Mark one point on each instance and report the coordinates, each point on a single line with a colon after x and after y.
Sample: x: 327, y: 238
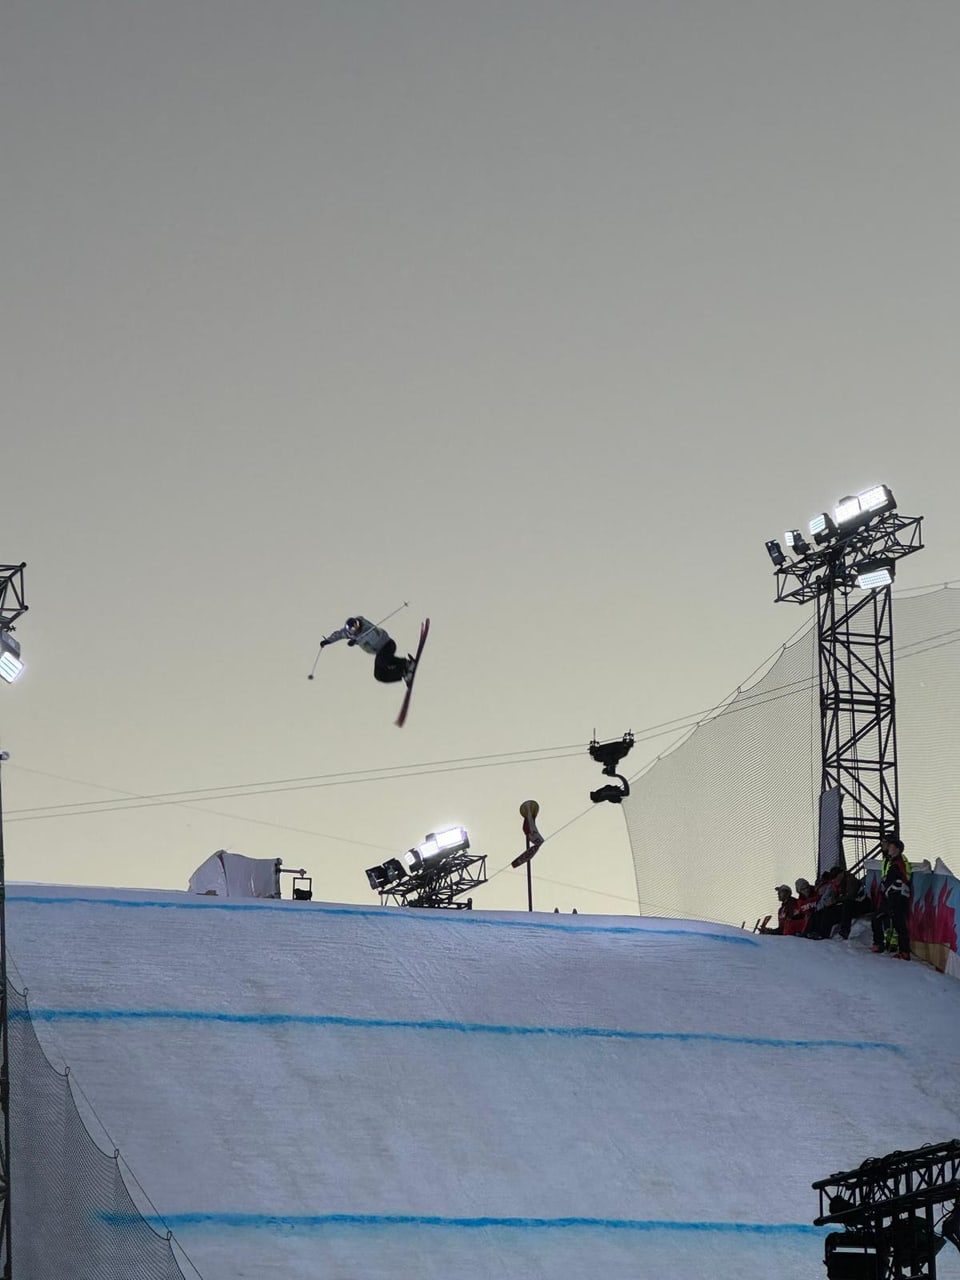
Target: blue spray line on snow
x: 437, y: 1024
x: 314, y: 1222
x: 404, y: 918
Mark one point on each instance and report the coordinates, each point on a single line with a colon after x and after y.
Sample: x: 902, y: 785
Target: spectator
x: 854, y: 903
x: 895, y: 900
x: 789, y: 919
x: 807, y: 898
x: 828, y: 910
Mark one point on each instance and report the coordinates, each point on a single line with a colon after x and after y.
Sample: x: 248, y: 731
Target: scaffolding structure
x: 855, y: 647
x: 886, y: 1209
x: 12, y: 605
x: 439, y: 886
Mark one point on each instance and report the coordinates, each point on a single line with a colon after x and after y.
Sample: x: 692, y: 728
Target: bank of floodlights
x: 12, y: 605
x: 435, y: 849
x: 431, y: 874
x: 854, y: 546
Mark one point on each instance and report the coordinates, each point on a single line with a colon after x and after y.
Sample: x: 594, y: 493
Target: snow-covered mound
x: 311, y: 1090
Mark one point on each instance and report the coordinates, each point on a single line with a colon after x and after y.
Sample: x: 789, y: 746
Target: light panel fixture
x: 797, y: 543
x: 775, y: 552
x: 861, y: 508
x: 10, y: 665
x: 821, y: 528
x: 874, y: 573
x: 436, y: 846
x: 847, y: 509
x: 877, y: 499
x: 387, y: 873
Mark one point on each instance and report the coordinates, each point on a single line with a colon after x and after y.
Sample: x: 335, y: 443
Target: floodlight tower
x: 12, y: 605
x: 886, y: 1210
x: 432, y: 874
x: 847, y: 568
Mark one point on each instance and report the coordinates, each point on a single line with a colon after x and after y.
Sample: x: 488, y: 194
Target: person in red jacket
x: 807, y: 898
x: 789, y: 919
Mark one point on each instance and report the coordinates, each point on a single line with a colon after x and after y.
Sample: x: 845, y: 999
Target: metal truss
x: 12, y: 605
x: 439, y: 886
x: 887, y: 537
x: 857, y: 710
x: 5, y: 1257
x: 855, y: 648
x: 886, y: 1209
x: 11, y: 594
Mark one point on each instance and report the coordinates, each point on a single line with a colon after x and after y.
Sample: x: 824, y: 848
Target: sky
x: 299, y: 1089
x: 536, y: 319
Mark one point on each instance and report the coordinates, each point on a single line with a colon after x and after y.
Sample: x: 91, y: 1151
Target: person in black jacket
x: 895, y: 904
x: 856, y: 903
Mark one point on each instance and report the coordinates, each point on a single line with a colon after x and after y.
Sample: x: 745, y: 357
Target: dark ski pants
x: 895, y: 913
x: 853, y: 909
x: 387, y: 667
x: 820, y: 924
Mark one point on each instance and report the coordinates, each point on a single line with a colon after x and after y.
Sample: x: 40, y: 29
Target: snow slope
x: 308, y: 1090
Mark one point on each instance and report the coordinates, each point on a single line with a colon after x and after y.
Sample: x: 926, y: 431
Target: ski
x: 405, y: 705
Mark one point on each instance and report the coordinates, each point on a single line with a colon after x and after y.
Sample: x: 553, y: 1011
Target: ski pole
x: 386, y: 618
x: 390, y: 615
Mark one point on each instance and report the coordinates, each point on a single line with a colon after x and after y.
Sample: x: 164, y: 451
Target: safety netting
x: 71, y: 1212
x: 730, y: 811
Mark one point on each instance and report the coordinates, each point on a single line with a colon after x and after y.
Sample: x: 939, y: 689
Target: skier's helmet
x: 354, y: 626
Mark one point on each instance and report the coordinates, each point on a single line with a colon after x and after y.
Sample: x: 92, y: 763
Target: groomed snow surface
x: 321, y: 1092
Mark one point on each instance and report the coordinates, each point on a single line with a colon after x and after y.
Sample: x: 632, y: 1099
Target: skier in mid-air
x: 387, y: 667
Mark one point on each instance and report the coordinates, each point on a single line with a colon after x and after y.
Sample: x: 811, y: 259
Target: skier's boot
x: 410, y: 669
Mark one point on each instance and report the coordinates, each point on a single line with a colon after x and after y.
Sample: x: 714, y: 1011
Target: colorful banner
x: 934, y: 911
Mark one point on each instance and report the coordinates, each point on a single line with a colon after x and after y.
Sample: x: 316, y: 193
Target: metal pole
x: 529, y: 810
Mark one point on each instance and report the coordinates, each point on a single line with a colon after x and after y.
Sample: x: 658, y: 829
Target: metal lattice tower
x: 12, y: 605
x: 857, y: 709
x: 855, y: 646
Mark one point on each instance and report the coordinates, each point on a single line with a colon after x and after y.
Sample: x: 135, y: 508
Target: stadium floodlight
x: 874, y: 573
x: 821, y: 528
x: 388, y: 872
x: 797, y: 543
x: 860, y: 509
x: 877, y: 500
x: 775, y: 552
x: 10, y: 665
x: 436, y: 847
x: 847, y: 509
x: 376, y: 877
